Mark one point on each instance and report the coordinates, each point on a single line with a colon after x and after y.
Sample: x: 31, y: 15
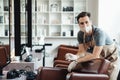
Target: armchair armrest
x: 86, y: 76
x: 95, y: 66
x: 61, y: 63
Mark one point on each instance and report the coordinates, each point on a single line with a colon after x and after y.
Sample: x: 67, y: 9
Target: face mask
x: 86, y: 29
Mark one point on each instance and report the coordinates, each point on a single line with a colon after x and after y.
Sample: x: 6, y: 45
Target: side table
x: 21, y: 65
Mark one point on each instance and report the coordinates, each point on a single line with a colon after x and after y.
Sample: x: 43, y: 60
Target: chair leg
x: 1, y: 72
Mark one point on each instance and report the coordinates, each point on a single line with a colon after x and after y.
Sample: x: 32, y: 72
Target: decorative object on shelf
x: 23, y: 6
x: 76, y: 20
x: 64, y: 34
x: 29, y: 58
x: 1, y: 19
x: 39, y: 40
x: 42, y: 7
x: 6, y: 8
x: 71, y: 32
x: 42, y: 20
x: 68, y: 8
x: 6, y: 17
x: 54, y: 7
x: 6, y: 32
x: 68, y: 33
x: 0, y: 7
x: 67, y: 19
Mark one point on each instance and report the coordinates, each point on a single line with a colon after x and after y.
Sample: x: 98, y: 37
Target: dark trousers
x: 118, y: 78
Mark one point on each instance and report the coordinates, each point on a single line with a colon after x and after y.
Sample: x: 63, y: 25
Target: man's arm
x: 81, y: 49
x: 80, y: 53
x: 96, y: 54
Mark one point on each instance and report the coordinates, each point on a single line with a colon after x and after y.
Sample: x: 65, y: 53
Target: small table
x: 20, y: 65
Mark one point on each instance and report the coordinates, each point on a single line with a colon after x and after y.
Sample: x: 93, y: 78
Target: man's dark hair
x: 83, y: 14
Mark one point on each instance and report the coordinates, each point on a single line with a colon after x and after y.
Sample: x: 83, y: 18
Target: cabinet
x: 51, y: 18
x: 56, y: 18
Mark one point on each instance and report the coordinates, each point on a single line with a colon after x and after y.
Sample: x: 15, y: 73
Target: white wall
x: 58, y: 41
x: 93, y: 9
x: 109, y: 16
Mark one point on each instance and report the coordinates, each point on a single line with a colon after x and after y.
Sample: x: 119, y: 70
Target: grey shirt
x: 100, y: 37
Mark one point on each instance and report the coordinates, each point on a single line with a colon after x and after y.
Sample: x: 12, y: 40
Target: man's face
x: 85, y: 24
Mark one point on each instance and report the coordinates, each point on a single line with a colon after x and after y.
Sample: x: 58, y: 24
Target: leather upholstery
x: 62, y: 50
x: 92, y: 71
x: 50, y: 73
x: 95, y: 69
x: 4, y: 59
x: 81, y: 76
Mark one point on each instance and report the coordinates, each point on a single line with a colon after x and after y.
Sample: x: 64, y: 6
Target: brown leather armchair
x: 62, y: 50
x: 4, y: 59
x: 95, y: 69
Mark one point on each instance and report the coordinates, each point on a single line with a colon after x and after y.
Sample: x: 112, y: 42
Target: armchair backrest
x: 62, y: 50
x: 7, y: 49
x: 96, y: 66
x: 4, y: 58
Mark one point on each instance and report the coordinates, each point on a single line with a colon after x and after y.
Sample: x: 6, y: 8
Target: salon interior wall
x: 109, y: 17
x: 93, y: 9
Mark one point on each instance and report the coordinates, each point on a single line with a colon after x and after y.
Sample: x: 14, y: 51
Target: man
x: 93, y: 43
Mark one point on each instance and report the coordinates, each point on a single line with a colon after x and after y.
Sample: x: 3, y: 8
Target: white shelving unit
x: 51, y: 18
x: 4, y: 18
x: 4, y: 21
x: 56, y: 18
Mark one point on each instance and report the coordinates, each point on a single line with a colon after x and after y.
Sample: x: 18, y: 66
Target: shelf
x: 56, y: 17
x: 50, y: 37
x: 50, y: 18
x: 60, y: 37
x: 4, y: 19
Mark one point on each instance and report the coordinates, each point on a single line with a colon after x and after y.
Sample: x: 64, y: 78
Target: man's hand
x: 72, y: 65
x: 70, y: 56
